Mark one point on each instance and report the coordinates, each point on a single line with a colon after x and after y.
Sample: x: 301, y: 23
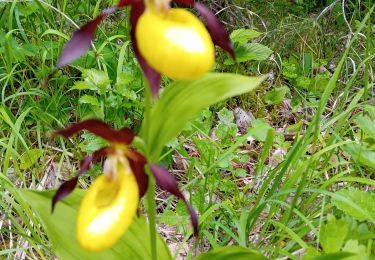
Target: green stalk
x: 151, y: 210
x: 150, y: 197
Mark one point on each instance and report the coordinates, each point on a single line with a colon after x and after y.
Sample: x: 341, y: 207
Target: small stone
x: 243, y: 119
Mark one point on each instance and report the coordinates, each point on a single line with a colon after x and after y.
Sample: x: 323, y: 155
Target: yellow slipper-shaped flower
x: 107, y: 210
x: 165, y: 40
x: 175, y: 43
x: 110, y: 204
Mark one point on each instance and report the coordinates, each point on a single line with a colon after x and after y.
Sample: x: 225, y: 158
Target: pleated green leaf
x: 183, y: 100
x: 365, y: 200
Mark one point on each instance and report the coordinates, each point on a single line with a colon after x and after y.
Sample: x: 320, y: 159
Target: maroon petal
x: 81, y: 40
x: 125, y: 135
x: 152, y: 75
x: 101, y: 129
x: 48, y: 79
x: 137, y: 163
x: 85, y: 163
x: 123, y: 3
x: 217, y: 30
x: 167, y: 182
x: 189, y: 3
x: 67, y: 187
x: 64, y: 190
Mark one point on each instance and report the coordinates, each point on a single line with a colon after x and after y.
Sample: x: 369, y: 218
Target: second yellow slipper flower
x: 169, y: 41
x: 107, y: 210
x: 110, y: 204
x: 175, y: 43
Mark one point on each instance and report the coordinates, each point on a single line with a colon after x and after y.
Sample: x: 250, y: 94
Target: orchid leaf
x: 183, y: 100
x: 60, y: 229
x: 366, y: 125
x: 336, y: 256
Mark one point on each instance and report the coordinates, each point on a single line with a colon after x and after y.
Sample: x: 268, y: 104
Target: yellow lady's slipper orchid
x: 107, y: 209
x: 165, y: 40
x: 175, y: 43
x: 111, y: 202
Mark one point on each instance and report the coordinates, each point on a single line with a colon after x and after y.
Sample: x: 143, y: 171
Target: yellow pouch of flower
x: 107, y: 210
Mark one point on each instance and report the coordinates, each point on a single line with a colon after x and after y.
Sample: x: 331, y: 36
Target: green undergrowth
x: 286, y: 171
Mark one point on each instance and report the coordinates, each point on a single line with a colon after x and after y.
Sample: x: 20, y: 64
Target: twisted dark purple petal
x: 137, y: 164
x: 123, y: 3
x: 101, y: 129
x: 81, y: 39
x: 64, y: 190
x: 152, y: 75
x: 189, y: 3
x: 216, y: 29
x: 67, y: 187
x: 167, y: 182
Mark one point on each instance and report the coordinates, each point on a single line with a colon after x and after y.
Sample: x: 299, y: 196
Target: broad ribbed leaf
x: 363, y: 199
x: 183, y: 100
x: 233, y: 253
x: 361, y: 154
x: 243, y: 35
x: 366, y: 125
x: 61, y: 229
x: 249, y: 51
x: 333, y: 234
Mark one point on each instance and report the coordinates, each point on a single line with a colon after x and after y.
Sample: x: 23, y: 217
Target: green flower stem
x: 150, y: 197
x: 151, y: 210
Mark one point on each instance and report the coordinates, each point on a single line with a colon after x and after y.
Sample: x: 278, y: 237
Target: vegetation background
x: 287, y: 170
